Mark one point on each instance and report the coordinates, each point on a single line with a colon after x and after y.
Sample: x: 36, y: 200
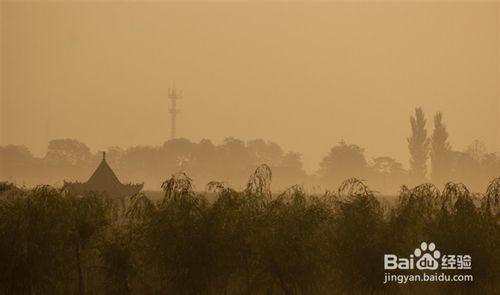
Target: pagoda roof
x: 104, y: 180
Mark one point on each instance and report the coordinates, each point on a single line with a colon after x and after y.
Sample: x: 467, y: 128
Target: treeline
x: 231, y: 161
x: 243, y: 242
x: 432, y: 158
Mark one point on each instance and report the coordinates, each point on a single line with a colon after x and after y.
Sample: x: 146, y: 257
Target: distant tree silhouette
x: 475, y: 165
x: 342, y: 161
x: 15, y: 159
x: 292, y: 159
x: 477, y: 150
x: 388, y: 174
x: 387, y: 165
x: 232, y: 160
x: 418, y: 144
x: 440, y: 151
x: 265, y: 152
x: 69, y: 151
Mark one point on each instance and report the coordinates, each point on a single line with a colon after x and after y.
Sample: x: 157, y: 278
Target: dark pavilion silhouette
x: 103, y: 180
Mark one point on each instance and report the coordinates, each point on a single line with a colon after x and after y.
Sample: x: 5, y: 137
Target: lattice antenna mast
x: 174, y: 95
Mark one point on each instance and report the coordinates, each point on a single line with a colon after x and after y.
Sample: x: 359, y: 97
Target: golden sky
x: 304, y: 74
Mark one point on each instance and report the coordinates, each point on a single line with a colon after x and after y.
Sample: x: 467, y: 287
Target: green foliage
x: 244, y: 242
x: 358, y: 237
x: 259, y: 183
x: 43, y: 237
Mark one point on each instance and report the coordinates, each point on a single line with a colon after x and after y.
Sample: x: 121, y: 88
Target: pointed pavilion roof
x: 104, y: 180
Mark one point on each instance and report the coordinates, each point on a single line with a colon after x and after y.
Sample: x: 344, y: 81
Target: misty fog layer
x: 432, y: 159
x: 305, y: 75
x: 310, y: 140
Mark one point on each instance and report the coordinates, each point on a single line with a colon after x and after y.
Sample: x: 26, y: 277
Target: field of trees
x: 432, y: 158
x: 243, y: 242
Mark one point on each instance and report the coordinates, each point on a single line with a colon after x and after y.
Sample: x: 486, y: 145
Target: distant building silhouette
x: 174, y: 95
x: 103, y: 180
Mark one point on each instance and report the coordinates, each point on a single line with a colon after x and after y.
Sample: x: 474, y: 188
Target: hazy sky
x: 303, y: 75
